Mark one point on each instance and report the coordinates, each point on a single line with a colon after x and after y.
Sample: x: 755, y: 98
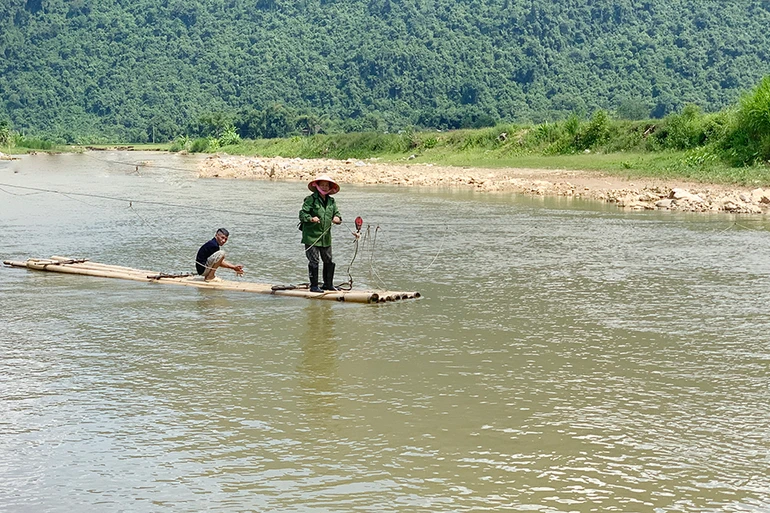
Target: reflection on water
x: 317, y: 368
x: 566, y: 356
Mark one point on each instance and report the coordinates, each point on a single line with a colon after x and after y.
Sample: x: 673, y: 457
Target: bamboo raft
x: 85, y: 267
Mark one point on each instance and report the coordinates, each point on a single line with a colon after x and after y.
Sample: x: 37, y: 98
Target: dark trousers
x: 316, y: 255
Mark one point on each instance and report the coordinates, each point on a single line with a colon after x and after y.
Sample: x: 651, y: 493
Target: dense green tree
x: 95, y: 69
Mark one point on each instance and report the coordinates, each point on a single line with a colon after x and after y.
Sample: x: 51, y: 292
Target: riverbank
x: 634, y: 194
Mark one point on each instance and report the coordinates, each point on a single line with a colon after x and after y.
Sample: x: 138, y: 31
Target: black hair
x: 224, y: 232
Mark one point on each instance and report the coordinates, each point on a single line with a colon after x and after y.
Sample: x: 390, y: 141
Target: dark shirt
x: 204, y: 253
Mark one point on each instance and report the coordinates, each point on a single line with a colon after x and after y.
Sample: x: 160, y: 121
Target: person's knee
x: 215, y: 260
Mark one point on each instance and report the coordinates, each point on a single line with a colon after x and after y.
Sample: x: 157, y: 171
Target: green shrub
x: 429, y: 143
x: 685, y: 130
x: 754, y: 111
x: 5, y: 133
x: 33, y: 143
x: 180, y: 143
x: 547, y: 132
x: 596, y: 132
x: 229, y: 136
x: 488, y: 138
x: 715, y: 126
x: 626, y: 136
x: 572, y: 125
x: 577, y: 136
x: 199, y: 145
x: 746, y: 139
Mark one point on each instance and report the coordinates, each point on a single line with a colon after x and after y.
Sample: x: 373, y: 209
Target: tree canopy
x: 141, y: 70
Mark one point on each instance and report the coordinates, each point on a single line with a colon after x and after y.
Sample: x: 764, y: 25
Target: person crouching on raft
x: 210, y: 257
x: 319, y: 211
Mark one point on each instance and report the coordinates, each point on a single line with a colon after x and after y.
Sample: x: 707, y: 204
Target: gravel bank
x: 636, y: 194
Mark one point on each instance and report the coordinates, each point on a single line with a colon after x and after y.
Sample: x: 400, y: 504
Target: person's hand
x: 238, y: 270
x: 336, y: 220
x: 315, y: 219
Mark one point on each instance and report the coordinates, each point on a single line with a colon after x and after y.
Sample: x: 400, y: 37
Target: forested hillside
x: 138, y: 70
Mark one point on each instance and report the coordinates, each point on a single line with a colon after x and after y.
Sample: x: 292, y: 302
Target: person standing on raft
x: 319, y: 211
x: 211, y: 257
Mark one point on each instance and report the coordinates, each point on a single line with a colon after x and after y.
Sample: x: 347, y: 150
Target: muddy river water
x: 565, y: 355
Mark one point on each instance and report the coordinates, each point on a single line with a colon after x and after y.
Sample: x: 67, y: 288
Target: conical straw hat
x: 335, y: 187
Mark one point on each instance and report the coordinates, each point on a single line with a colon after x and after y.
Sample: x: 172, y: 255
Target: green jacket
x: 318, y: 234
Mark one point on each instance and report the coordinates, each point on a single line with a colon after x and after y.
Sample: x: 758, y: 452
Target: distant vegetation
x: 11, y: 140
x: 5, y: 134
x: 732, y: 145
x: 99, y: 71
x: 738, y: 136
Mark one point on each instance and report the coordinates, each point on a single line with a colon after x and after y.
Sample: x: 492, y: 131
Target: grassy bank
x: 504, y: 146
x: 498, y: 147
x: 731, y: 146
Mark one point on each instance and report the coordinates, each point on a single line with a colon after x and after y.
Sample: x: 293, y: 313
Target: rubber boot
x: 312, y: 273
x: 329, y: 277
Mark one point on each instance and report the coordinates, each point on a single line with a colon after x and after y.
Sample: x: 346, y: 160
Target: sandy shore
x: 637, y: 194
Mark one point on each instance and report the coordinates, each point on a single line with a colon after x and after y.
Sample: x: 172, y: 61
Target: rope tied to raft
x: 70, y: 261
x: 359, y: 222
x: 364, y: 240
x: 160, y: 276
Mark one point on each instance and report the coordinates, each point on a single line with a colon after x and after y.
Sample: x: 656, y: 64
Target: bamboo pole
x: 71, y: 269
x: 96, y: 265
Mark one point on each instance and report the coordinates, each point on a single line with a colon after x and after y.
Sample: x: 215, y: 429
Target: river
x: 565, y: 356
